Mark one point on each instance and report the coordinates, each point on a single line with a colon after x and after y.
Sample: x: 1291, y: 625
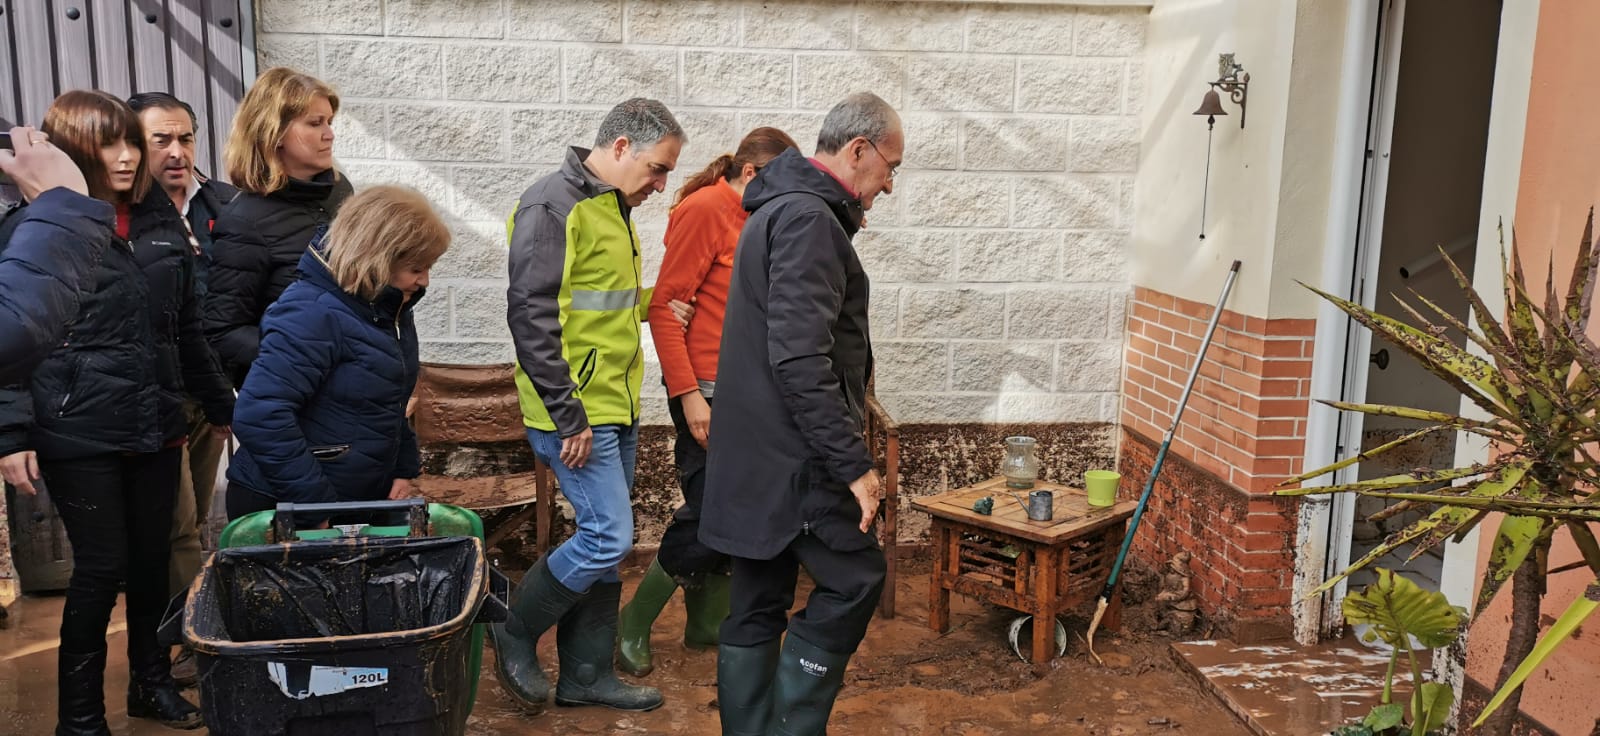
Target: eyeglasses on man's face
x: 893, y: 168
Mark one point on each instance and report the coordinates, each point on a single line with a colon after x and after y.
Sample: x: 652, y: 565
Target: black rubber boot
x: 744, y: 687
x: 538, y: 603
x: 153, y: 695
x: 80, y: 694
x: 586, y: 639
x: 804, y: 687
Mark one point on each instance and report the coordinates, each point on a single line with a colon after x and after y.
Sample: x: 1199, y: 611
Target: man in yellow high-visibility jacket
x: 574, y: 305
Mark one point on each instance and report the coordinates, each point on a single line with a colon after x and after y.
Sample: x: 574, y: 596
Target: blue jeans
x: 600, y: 493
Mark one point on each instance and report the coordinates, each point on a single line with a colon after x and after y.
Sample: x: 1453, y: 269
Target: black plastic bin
x: 345, y: 637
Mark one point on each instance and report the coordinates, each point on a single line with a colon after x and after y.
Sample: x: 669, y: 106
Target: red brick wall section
x: 1241, y: 544
x: 1246, y: 420
x: 1242, y: 434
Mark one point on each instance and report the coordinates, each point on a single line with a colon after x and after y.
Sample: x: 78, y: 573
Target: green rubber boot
x: 538, y: 603
x: 744, y: 687
x: 803, y: 690
x: 586, y: 640
x: 707, y: 606
x: 636, y: 619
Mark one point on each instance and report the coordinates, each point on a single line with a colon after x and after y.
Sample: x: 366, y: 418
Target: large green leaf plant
x: 1402, y: 615
x: 1539, y: 388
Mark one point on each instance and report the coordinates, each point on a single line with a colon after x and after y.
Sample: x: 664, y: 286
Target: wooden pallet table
x: 1037, y: 567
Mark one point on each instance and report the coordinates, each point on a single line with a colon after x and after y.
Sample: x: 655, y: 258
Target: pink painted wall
x: 1560, y: 182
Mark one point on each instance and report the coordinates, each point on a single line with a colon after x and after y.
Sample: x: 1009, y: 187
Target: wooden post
x: 938, y: 595
x: 1044, y: 612
x: 544, y: 500
x: 891, y: 510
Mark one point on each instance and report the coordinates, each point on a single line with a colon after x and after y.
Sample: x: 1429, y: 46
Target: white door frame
x: 1326, y: 523
x: 1322, y: 518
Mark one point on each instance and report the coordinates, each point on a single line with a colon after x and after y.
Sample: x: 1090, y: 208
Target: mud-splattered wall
x: 1240, y: 543
x: 469, y: 425
x: 933, y: 458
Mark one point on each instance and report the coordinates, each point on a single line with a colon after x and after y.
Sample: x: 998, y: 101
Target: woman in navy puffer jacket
x: 321, y: 415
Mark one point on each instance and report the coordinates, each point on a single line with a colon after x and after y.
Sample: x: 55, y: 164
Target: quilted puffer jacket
x: 258, y: 241
x: 98, y: 391
x: 60, y: 240
x: 185, y: 365
x: 321, y: 416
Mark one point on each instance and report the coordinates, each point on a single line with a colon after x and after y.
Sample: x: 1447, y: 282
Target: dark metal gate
x: 189, y: 48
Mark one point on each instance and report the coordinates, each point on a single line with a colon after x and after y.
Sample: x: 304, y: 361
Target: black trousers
x: 836, y: 615
x: 681, y: 554
x: 239, y: 501
x: 117, y: 509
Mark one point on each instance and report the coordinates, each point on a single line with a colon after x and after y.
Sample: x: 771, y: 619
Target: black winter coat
x: 258, y: 243
x: 185, y: 363
x: 49, y: 258
x: 97, y: 392
x: 786, y: 437
x: 204, y: 210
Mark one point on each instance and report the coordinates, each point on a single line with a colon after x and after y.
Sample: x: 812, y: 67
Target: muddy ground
x: 906, y: 681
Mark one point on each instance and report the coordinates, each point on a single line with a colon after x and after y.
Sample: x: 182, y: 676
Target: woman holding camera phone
x: 58, y: 242
x: 100, y: 420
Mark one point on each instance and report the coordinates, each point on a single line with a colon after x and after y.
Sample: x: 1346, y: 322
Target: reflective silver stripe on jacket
x: 604, y: 301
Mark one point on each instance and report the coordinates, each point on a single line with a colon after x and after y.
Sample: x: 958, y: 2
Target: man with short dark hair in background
x: 789, y: 481
x: 170, y: 127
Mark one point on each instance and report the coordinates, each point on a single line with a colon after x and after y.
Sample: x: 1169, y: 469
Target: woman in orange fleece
x: 702, y: 233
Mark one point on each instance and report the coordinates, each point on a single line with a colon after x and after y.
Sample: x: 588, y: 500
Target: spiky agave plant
x: 1540, y: 387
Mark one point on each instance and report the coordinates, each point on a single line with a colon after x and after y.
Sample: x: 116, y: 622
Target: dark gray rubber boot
x: 539, y: 602
x: 803, y: 690
x: 744, y: 687
x: 586, y: 640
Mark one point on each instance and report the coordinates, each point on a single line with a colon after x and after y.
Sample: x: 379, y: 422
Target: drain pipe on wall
x: 1312, y: 536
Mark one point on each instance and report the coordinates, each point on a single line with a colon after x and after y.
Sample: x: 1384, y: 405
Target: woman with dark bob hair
x: 101, y: 421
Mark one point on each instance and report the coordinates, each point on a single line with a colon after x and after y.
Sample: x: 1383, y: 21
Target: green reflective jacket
x: 575, y: 302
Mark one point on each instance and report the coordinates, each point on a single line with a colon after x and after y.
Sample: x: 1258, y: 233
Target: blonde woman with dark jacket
x: 280, y: 156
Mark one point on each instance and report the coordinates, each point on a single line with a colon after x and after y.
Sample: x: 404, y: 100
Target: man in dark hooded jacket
x: 789, y: 480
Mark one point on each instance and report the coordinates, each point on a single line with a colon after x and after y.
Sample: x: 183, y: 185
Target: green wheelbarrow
x: 406, y: 518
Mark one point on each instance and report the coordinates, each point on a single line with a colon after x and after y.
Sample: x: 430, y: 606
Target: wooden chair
x: 883, y: 441
x: 478, y: 404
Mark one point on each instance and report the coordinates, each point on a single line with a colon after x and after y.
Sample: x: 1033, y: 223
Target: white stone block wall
x: 999, y: 264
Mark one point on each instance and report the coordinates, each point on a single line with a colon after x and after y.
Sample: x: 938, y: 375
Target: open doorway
x: 1425, y: 182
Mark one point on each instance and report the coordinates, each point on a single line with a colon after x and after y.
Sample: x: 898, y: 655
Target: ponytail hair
x: 721, y: 167
x: 758, y: 147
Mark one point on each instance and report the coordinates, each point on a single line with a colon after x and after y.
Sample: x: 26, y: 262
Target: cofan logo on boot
x: 814, y: 669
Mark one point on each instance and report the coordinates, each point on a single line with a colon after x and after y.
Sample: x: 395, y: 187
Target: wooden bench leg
x: 1044, y: 613
x: 507, y: 525
x: 938, y: 595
